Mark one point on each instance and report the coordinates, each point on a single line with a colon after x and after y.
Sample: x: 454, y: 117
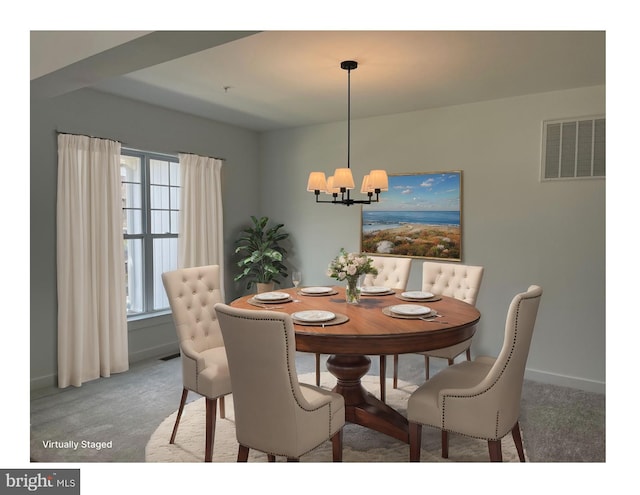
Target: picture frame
x: 420, y: 216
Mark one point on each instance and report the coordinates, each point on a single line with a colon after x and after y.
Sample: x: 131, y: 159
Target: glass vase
x: 353, y: 291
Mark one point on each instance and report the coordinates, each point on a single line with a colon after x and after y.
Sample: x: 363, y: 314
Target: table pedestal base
x: 361, y: 407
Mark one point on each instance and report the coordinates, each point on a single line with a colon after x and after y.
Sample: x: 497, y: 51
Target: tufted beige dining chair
x: 192, y: 293
x: 453, y: 280
x: 480, y: 398
x: 274, y: 413
x: 394, y: 274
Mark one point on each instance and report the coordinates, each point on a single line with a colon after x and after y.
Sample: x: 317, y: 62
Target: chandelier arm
x: 347, y: 201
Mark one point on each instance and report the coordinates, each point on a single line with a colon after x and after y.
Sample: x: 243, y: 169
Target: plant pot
x: 264, y: 287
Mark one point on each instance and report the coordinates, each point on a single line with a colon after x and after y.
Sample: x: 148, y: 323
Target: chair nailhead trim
x: 513, y: 343
x: 284, y: 329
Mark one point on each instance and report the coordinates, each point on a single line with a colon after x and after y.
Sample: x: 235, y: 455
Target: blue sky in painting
x: 425, y: 192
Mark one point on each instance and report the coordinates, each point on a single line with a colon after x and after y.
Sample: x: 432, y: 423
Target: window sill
x: 149, y: 319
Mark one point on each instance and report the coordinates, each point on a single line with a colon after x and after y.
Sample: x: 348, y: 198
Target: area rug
x: 359, y: 444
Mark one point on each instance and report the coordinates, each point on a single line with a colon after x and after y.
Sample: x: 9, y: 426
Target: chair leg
x: 395, y: 371
x: 450, y: 362
x: 336, y: 446
x: 183, y: 399
x: 426, y: 368
x: 517, y: 439
x: 495, y: 450
x: 210, y: 428
x: 445, y: 444
x: 383, y: 377
x: 415, y: 441
x: 243, y: 453
x: 222, y: 413
x: 468, y: 353
x: 271, y: 458
x: 317, y: 370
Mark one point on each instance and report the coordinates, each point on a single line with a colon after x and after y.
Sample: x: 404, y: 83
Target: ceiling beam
x: 152, y: 49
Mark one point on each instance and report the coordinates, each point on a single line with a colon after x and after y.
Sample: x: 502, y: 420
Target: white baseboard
x: 565, y: 381
x: 154, y: 352
x: 48, y: 381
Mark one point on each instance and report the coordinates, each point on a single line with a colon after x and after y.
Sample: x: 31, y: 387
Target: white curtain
x: 200, y: 235
x: 92, y: 314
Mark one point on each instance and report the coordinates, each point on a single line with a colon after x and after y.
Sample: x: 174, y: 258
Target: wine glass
x: 296, y: 278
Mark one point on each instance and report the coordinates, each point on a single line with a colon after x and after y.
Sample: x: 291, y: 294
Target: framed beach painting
x: 420, y: 216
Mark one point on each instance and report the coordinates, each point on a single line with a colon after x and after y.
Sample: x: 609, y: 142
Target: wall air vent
x: 573, y: 149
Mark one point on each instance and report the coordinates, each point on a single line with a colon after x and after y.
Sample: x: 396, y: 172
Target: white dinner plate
x: 417, y: 294
x: 373, y: 289
x: 410, y: 310
x: 313, y: 316
x: 272, y: 296
x: 316, y: 290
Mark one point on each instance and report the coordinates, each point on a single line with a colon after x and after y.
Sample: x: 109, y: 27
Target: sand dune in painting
x: 431, y: 241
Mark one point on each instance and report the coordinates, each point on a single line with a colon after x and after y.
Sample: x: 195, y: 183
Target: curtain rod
x: 127, y: 146
x: 58, y: 131
x: 192, y: 153
x: 85, y: 135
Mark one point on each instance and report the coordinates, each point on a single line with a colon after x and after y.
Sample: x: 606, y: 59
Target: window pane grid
x: 135, y: 275
x: 165, y: 256
x: 132, y: 221
x: 151, y: 199
x: 159, y: 197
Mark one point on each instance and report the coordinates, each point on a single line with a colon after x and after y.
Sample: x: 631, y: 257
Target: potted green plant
x: 263, y: 256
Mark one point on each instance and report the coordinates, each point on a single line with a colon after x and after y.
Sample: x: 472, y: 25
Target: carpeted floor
x: 116, y: 417
x: 359, y: 444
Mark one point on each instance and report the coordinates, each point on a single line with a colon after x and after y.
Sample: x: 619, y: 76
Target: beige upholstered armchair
x: 274, y: 413
x: 394, y: 274
x: 479, y: 398
x: 192, y: 293
x: 452, y: 280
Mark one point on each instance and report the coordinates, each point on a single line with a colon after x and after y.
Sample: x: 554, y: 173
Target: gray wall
x: 523, y: 231
x: 138, y: 126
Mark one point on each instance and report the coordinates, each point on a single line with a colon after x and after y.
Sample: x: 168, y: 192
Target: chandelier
x: 339, y: 185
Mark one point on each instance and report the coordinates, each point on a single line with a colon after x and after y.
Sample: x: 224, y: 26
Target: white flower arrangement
x: 350, y: 265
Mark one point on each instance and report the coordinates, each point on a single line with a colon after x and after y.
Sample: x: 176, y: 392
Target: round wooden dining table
x: 369, y: 328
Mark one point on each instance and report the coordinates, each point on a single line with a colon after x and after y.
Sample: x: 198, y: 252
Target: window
x: 574, y: 149
x: 151, y: 199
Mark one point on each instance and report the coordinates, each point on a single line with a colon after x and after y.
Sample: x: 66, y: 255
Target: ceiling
x: 279, y: 79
